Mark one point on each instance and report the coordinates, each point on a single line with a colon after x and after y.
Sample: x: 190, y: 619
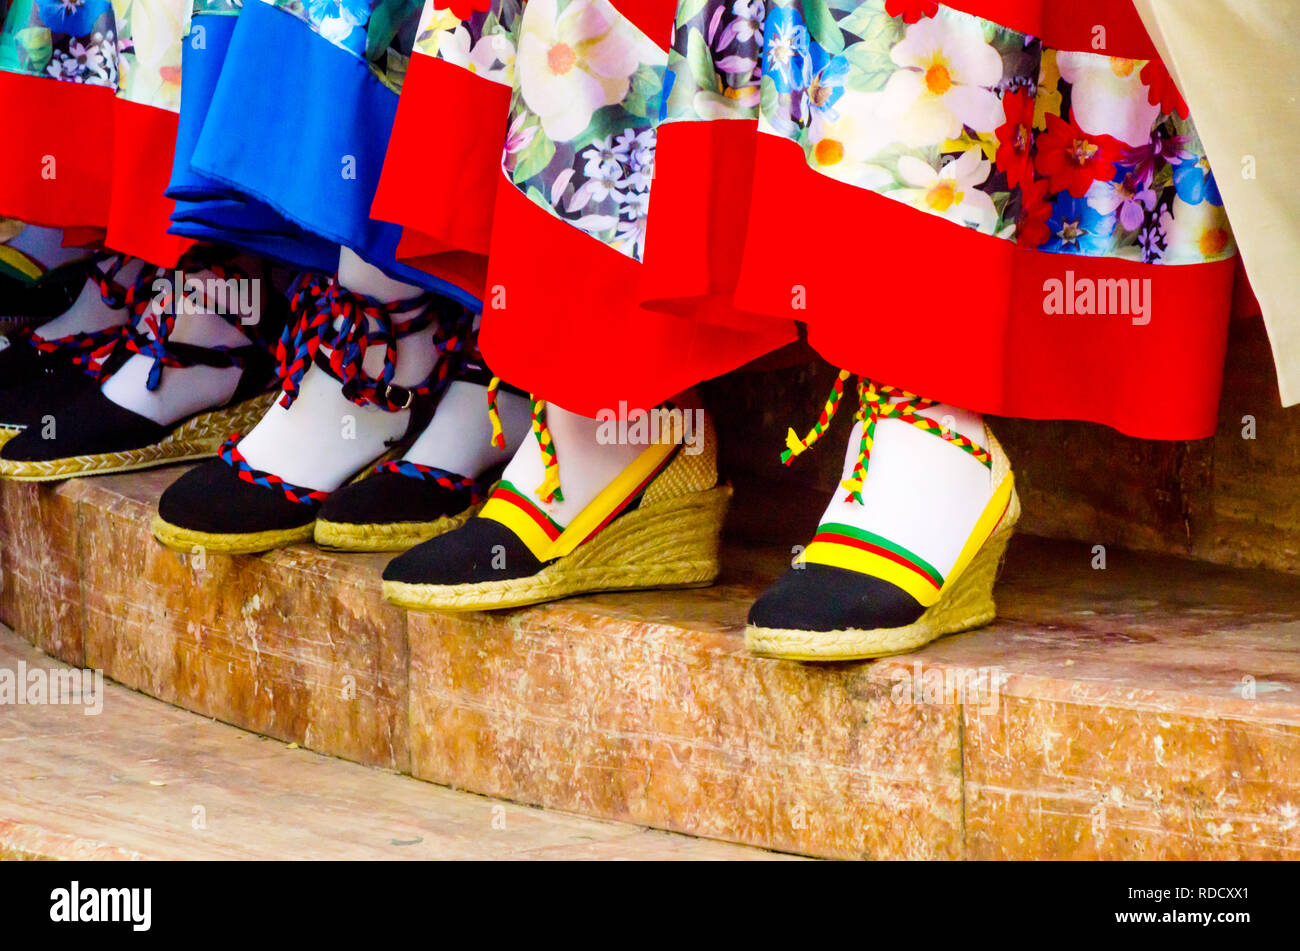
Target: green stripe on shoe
x: 852, y: 531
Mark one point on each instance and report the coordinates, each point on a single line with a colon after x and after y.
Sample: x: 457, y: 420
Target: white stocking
x: 921, y: 491
x: 459, y: 437
x: 323, y: 439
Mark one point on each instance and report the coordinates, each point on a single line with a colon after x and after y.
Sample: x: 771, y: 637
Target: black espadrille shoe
x: 872, y: 583
x: 403, y: 502
x: 397, y: 506
x: 89, y: 434
x: 84, y: 432
x: 40, y: 369
x: 228, y: 505
x: 655, y: 524
x: 31, y: 294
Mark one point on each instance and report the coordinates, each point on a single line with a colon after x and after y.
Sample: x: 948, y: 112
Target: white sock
x: 459, y: 437
x: 324, y: 439
x: 182, y: 391
x: 921, y: 492
x: 89, y: 313
x: 586, y: 465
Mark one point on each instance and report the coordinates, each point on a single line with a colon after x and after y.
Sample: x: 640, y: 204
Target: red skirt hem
x: 139, y: 214
x: 961, y: 316
x: 52, y: 169
x: 437, y: 185
x: 738, y: 222
x: 54, y: 174
x: 561, y: 293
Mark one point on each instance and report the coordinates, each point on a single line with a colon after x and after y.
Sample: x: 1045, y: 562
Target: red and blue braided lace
x: 229, y: 454
x: 476, y: 489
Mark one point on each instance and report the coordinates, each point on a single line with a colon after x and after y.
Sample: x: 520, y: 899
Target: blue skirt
x: 282, y: 140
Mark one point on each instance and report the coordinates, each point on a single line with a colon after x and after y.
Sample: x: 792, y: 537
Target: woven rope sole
x: 198, y: 438
x: 386, y: 536
x: 966, y: 605
x: 670, y: 545
x: 246, y: 543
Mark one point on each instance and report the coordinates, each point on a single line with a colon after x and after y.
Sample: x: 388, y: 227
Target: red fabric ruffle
x: 78, y: 157
x: 744, y: 239
x: 959, y: 316
x: 53, y: 171
x: 563, y: 318
x: 442, y: 169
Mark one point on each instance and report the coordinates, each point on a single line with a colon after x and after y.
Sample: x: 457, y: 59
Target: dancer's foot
x: 43, y: 366
x: 911, y: 552
x: 441, y: 481
x: 359, y: 379
x: 578, y: 512
x: 172, y: 383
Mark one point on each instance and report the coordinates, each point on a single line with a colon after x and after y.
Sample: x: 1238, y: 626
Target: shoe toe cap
x: 387, y: 498
x: 480, y: 550
x: 825, y: 598
x: 212, y: 498
x: 84, y: 422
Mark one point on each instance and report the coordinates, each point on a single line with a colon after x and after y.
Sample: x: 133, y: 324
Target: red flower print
x: 912, y: 10
x: 1072, y: 159
x: 463, y: 9
x: 1161, y: 90
x: 1035, y: 212
x: 1015, y: 136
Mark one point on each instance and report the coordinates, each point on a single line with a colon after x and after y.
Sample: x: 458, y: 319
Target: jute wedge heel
x: 668, y: 544
x: 247, y: 543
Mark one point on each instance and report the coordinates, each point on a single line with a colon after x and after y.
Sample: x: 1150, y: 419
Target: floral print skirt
x: 89, y: 94
x: 1003, y: 204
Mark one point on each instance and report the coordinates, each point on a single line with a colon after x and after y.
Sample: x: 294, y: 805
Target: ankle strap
x: 229, y: 454
x: 82, y: 346
x: 328, y: 317
x: 135, y: 298
x: 476, y: 489
x: 874, y: 404
x: 140, y: 299
x: 115, y: 295
x: 149, y: 331
x: 347, y: 324
x: 549, y: 490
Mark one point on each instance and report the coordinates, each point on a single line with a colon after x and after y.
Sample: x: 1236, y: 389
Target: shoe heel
x: 672, y: 544
x: 969, y: 603
x: 380, y: 537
